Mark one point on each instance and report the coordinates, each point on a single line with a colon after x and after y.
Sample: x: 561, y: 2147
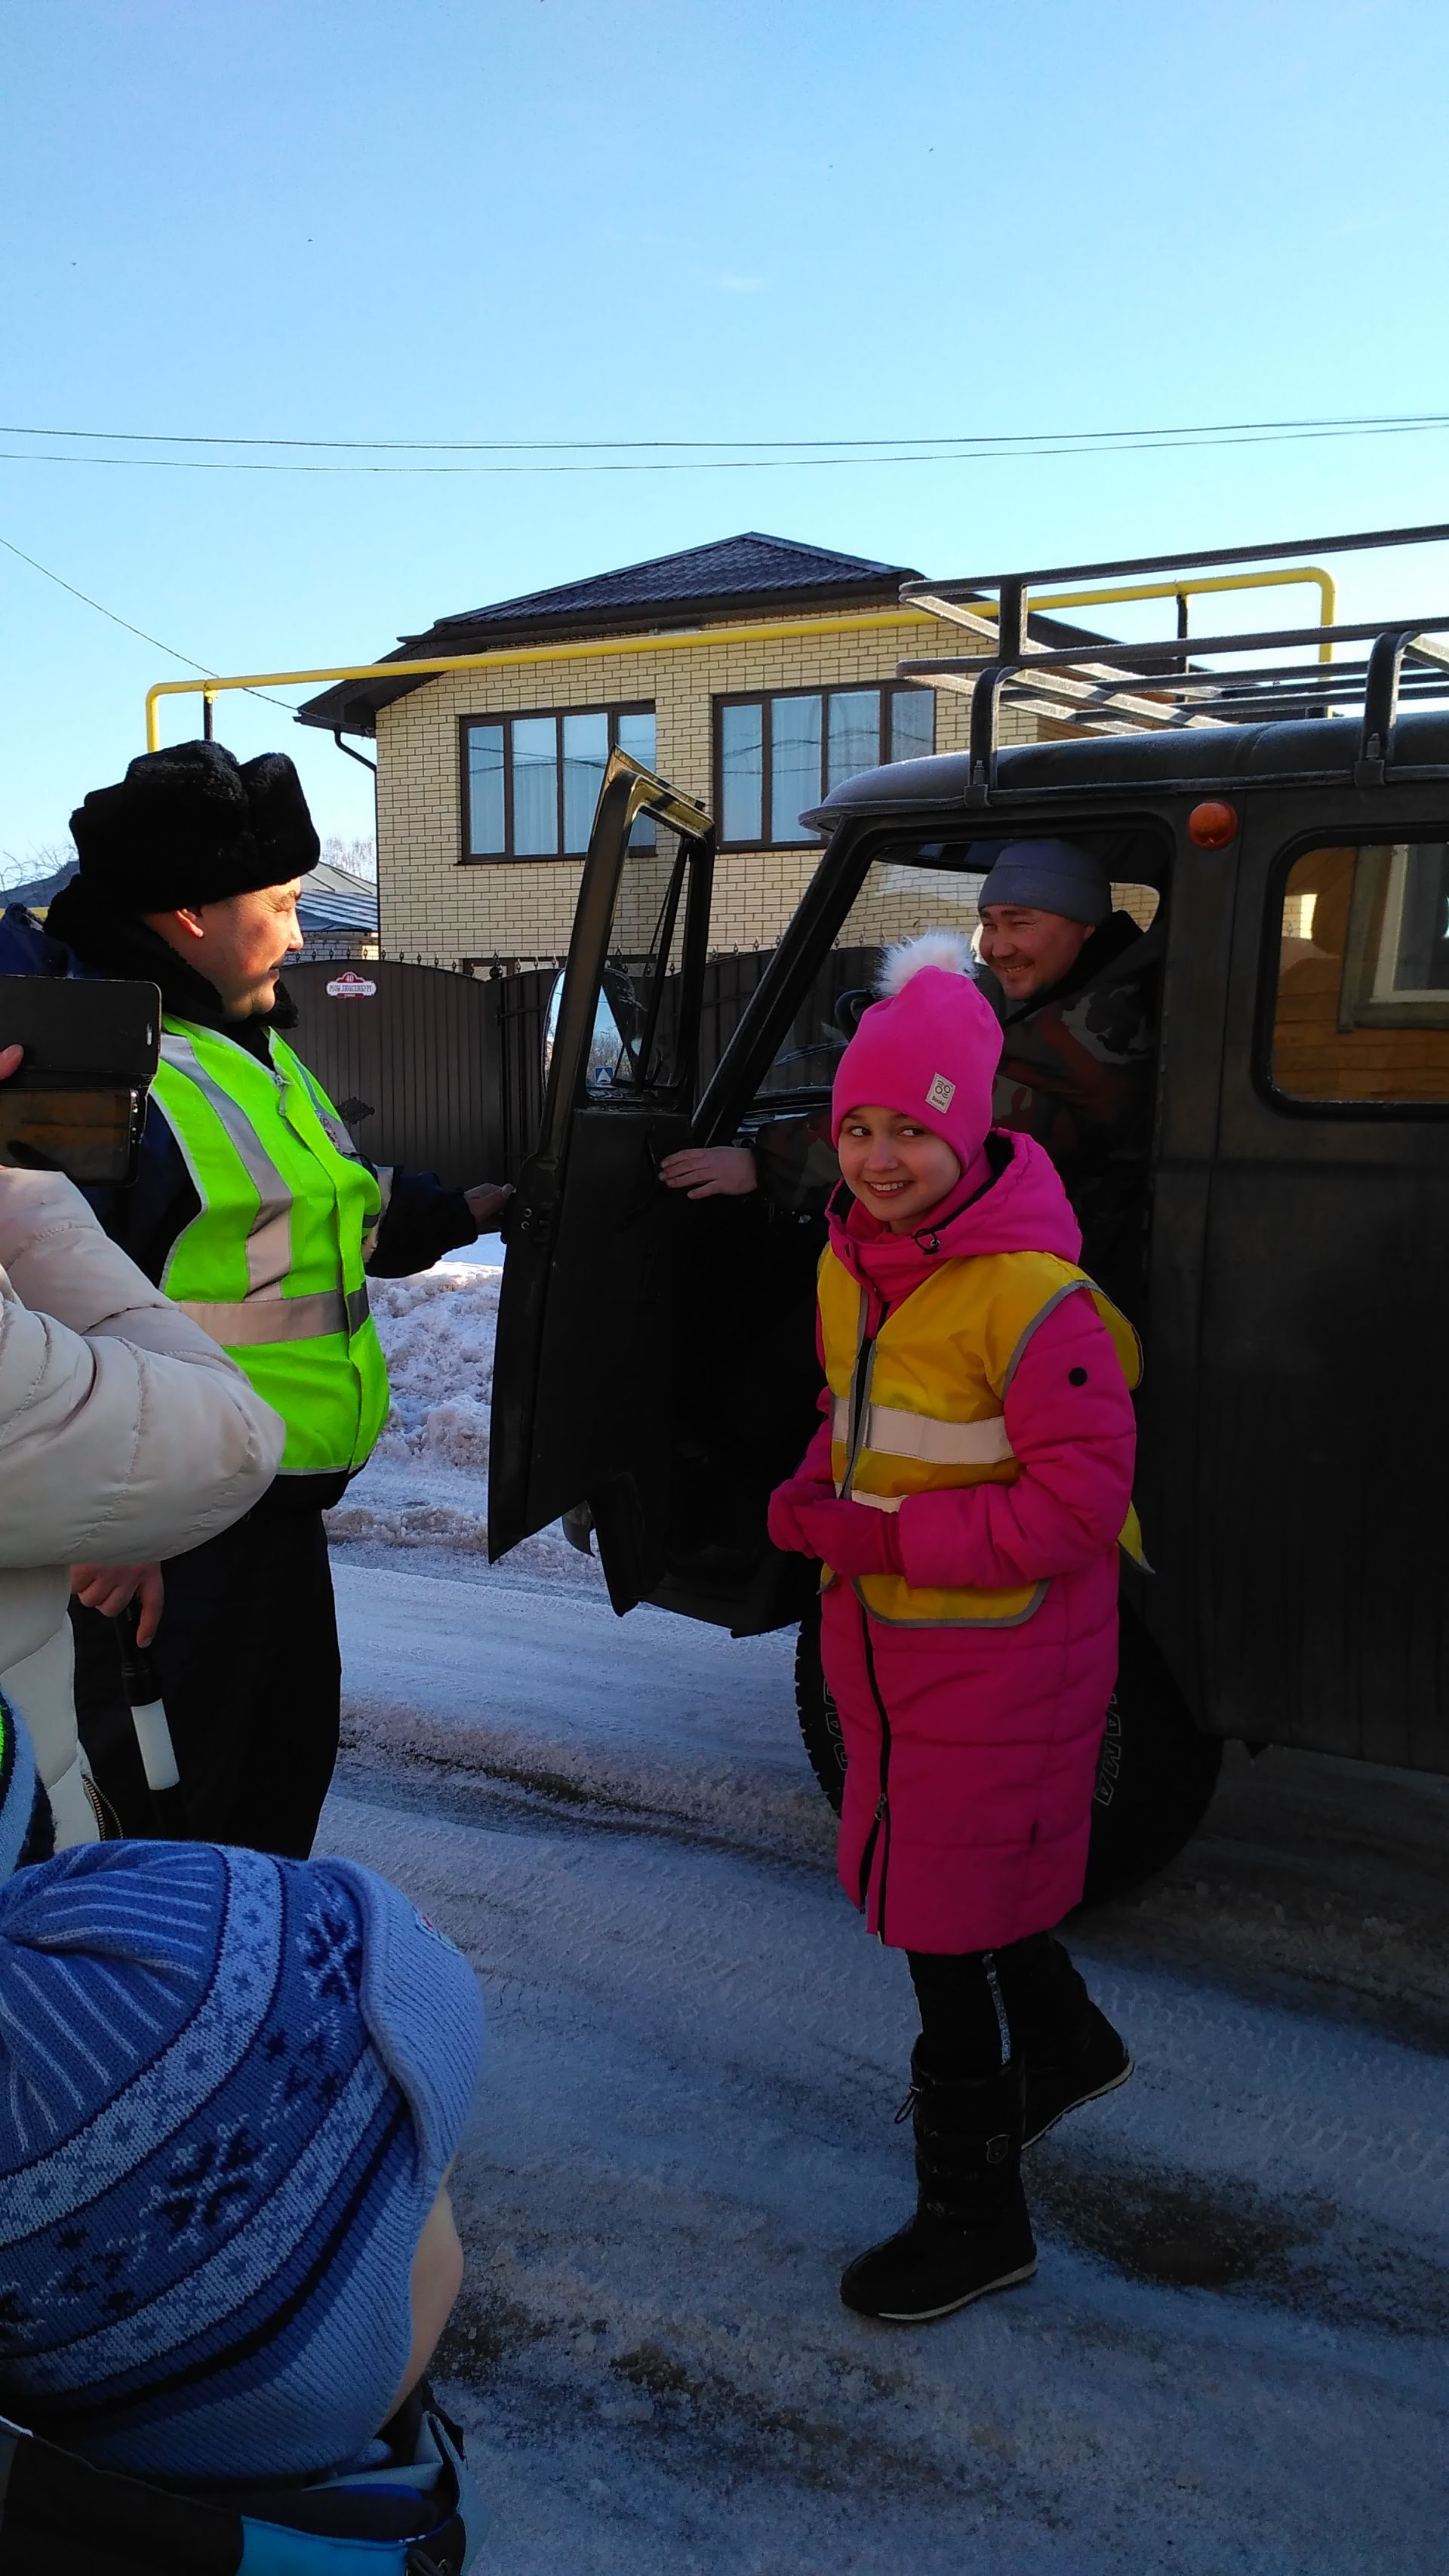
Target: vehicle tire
x: 1156, y: 1772
x: 1155, y: 1775
x: 817, y: 1712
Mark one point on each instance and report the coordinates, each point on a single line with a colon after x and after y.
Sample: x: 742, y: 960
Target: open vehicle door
x: 583, y: 1367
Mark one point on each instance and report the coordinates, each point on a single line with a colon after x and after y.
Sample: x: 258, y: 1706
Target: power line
x: 946, y: 439
x: 207, y: 669
x: 1085, y: 443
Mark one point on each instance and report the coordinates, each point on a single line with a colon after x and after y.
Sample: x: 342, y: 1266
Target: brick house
x: 752, y: 673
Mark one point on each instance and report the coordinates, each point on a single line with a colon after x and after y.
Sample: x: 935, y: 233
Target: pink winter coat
x: 972, y: 1751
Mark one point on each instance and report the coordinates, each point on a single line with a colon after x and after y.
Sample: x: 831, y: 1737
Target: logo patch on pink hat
x: 939, y: 1092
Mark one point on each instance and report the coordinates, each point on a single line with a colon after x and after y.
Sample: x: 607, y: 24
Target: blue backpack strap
x: 375, y: 2523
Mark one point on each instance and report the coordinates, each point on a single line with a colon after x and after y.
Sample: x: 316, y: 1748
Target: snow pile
x: 426, y: 1484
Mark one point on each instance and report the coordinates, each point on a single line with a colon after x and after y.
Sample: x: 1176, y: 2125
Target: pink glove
x: 783, y: 1520
x: 849, y: 1537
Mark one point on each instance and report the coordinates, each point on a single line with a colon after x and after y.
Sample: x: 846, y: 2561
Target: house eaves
x: 733, y: 579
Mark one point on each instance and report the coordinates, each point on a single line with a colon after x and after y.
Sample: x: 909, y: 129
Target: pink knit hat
x: 928, y: 1049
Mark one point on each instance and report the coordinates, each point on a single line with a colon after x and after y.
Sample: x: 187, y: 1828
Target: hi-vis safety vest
x: 917, y: 1409
x: 271, y: 1266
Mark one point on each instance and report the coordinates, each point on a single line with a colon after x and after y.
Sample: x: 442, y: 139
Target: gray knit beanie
x: 1050, y: 876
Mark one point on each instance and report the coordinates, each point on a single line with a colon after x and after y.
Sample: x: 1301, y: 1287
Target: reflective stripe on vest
x: 271, y: 1264
x: 272, y: 1318
x: 918, y: 1408
x: 892, y: 1433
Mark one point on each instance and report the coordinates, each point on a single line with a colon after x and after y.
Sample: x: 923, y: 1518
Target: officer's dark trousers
x: 251, y: 1675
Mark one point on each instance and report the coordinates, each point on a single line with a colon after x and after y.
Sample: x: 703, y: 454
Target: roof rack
x: 1165, y: 684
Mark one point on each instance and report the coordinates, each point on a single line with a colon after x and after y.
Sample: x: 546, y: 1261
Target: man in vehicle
x: 1075, y: 986
x: 254, y: 1211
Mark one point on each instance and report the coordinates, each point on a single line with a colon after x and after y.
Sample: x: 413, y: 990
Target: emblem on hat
x: 939, y: 1092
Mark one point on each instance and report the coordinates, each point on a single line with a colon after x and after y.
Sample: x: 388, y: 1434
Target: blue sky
x: 549, y: 219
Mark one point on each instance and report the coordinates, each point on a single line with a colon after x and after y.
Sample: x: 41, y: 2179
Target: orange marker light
x: 1212, y: 826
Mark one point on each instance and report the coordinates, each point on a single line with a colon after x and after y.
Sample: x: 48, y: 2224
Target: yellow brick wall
x: 433, y: 906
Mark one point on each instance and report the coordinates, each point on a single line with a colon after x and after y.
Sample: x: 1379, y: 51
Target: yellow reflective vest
x: 271, y: 1266
x: 918, y: 1408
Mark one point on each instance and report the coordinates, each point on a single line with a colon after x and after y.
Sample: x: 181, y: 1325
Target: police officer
x: 254, y: 1210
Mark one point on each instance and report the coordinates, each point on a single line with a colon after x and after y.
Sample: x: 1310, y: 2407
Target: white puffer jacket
x: 125, y: 1434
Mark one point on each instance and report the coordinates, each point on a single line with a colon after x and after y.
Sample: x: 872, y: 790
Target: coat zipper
x: 860, y: 1379
x: 880, y: 1830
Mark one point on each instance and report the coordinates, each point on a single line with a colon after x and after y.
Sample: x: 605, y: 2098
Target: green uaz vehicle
x: 1282, y: 1236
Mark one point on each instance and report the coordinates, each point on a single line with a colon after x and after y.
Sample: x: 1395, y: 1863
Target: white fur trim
x: 948, y: 949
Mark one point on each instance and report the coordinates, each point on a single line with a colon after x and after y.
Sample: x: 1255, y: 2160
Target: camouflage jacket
x: 1077, y: 1074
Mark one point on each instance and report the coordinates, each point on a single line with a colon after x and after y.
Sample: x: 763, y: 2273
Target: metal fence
x: 445, y: 1070
x: 408, y: 1055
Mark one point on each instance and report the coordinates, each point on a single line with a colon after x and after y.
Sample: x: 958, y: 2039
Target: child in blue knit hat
x: 231, y: 2087
x: 27, y: 1827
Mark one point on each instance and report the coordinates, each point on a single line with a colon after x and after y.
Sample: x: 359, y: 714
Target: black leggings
x: 980, y: 2008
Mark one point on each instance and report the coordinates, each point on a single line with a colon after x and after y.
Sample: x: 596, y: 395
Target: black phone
x: 78, y: 1102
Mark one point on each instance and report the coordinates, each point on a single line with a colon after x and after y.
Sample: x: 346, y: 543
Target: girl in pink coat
x: 966, y: 1497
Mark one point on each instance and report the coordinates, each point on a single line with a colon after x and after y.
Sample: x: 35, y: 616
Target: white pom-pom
x: 948, y: 949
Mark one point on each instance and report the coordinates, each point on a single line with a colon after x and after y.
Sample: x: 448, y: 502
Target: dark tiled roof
x: 334, y: 899
x: 38, y: 893
x: 732, y: 568
x: 331, y: 898
x: 732, y: 576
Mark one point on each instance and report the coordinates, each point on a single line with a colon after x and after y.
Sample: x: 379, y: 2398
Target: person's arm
x: 126, y: 1434
x: 146, y: 1216
x: 1071, y: 1426
x: 420, y: 1219
x: 812, y: 1483
x: 711, y: 1171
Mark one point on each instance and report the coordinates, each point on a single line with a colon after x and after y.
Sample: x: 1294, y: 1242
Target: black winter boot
x: 971, y: 2232
x: 1073, y: 2055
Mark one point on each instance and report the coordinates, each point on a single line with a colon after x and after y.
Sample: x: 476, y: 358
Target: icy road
x: 1233, y: 2357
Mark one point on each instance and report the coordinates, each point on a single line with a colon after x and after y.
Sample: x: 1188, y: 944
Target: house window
x: 531, y: 783
x: 777, y: 756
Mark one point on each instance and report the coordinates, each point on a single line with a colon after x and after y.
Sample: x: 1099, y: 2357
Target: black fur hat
x: 192, y: 825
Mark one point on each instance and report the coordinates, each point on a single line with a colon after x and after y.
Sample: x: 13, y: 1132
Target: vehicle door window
x: 1361, y: 1002
x: 637, y: 1027
x: 917, y: 889
x: 634, y: 1045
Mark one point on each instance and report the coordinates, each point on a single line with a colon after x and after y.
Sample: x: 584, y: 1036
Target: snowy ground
x: 1233, y: 2355
x: 426, y: 1486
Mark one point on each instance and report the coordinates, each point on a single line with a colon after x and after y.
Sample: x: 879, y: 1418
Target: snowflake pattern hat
x: 229, y: 2088
x: 928, y: 1049
x: 27, y: 1829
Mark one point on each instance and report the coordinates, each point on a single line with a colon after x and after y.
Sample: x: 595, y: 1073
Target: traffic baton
x: 153, y: 1733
